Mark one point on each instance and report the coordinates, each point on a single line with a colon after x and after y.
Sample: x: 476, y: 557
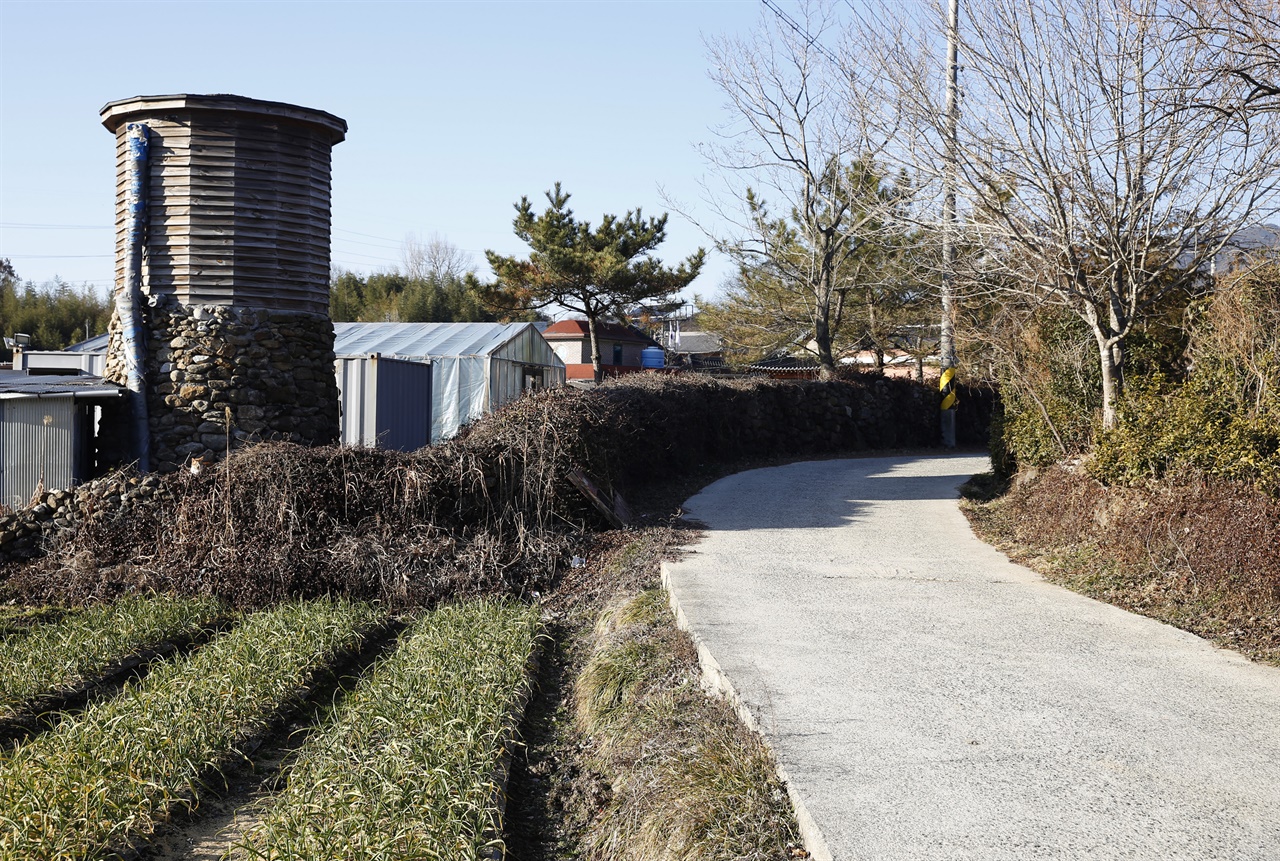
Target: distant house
x: 47, y: 431
x: 620, y: 348
x: 1246, y: 247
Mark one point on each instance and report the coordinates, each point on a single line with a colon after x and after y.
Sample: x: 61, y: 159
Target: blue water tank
x: 653, y: 357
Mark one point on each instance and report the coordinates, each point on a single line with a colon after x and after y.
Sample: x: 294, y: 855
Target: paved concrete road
x: 928, y: 699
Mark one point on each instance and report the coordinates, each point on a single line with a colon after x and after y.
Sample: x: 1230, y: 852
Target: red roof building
x: 620, y: 348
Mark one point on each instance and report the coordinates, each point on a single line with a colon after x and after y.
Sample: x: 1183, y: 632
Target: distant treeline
x: 55, y: 314
x: 400, y: 298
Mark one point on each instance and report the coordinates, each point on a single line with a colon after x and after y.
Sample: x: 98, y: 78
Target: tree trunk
x: 826, y: 361
x: 822, y: 327
x: 596, y: 373
x: 1117, y: 321
x: 1110, y: 381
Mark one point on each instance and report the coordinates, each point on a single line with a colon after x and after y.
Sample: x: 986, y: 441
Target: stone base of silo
x: 219, y: 377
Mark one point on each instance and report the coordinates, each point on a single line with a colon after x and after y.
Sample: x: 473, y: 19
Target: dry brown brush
x: 491, y: 511
x: 1200, y: 553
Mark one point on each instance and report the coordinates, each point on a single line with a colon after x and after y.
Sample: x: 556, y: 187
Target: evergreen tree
x: 597, y: 273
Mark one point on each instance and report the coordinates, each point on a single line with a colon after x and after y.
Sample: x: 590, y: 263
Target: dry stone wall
x: 22, y: 532
x: 220, y: 376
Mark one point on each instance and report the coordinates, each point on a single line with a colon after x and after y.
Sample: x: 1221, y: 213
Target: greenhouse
x: 475, y: 367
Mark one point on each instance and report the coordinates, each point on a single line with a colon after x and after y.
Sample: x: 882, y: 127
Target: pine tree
x: 597, y: 273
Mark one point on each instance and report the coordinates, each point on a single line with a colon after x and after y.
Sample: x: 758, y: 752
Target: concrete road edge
x: 715, y: 681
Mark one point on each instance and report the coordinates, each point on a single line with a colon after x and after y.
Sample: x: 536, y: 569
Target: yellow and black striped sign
x: 947, y: 389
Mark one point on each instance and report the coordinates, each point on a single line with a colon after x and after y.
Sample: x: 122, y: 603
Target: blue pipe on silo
x: 128, y: 299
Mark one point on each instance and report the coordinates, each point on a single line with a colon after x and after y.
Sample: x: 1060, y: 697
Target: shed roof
x: 424, y: 339
x: 96, y: 344
x: 784, y: 363
x: 20, y: 384
x: 698, y: 342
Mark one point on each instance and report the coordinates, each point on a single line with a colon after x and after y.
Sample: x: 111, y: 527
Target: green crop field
x: 428, y: 728
x: 100, y: 779
x: 76, y: 647
x: 408, y: 764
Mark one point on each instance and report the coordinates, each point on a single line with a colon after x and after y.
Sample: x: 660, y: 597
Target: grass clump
x: 687, y: 779
x: 429, y: 729
x: 80, y: 646
x: 17, y: 619
x: 99, y: 781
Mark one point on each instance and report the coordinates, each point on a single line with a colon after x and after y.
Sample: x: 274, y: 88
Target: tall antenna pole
x: 947, y: 339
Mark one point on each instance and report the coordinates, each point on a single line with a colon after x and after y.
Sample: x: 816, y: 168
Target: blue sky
x: 455, y: 110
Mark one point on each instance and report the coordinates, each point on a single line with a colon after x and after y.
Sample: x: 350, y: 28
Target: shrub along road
x: 929, y: 699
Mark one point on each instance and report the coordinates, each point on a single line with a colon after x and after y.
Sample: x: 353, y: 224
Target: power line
x: 812, y: 41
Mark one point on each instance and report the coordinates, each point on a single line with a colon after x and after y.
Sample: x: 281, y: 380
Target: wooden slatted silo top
x: 239, y: 200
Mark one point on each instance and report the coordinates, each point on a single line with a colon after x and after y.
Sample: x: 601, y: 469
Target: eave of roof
x: 18, y: 385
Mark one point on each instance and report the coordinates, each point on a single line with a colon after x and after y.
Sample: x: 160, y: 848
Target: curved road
x: 928, y: 699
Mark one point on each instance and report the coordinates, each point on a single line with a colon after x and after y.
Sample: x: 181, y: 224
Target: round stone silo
x: 232, y: 283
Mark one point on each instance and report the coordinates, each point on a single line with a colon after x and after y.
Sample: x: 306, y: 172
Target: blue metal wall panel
x: 403, y: 404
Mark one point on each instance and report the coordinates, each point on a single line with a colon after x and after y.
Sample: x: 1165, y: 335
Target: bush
x: 1046, y: 366
x: 492, y: 511
x: 1224, y: 421
x: 1165, y: 430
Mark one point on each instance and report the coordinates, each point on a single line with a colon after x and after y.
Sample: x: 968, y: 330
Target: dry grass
x: 687, y: 780
x: 1202, y: 555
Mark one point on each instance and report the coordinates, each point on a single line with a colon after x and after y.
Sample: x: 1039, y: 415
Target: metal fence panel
x: 37, y: 440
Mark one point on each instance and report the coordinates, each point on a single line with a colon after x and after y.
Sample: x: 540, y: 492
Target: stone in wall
x: 23, y: 533
x: 219, y: 377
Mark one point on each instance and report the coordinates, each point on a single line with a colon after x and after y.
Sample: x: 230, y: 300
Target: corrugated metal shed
x: 46, y: 431
x: 386, y: 402
x: 476, y: 367
x: 64, y: 360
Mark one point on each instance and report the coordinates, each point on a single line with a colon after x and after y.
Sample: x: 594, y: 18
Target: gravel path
x: 928, y: 699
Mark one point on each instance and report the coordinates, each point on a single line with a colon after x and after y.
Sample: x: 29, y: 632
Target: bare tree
x: 436, y: 259
x: 1241, y: 41
x: 1103, y: 158
x: 797, y: 170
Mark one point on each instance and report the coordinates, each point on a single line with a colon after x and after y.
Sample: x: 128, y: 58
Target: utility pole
x: 947, y: 335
